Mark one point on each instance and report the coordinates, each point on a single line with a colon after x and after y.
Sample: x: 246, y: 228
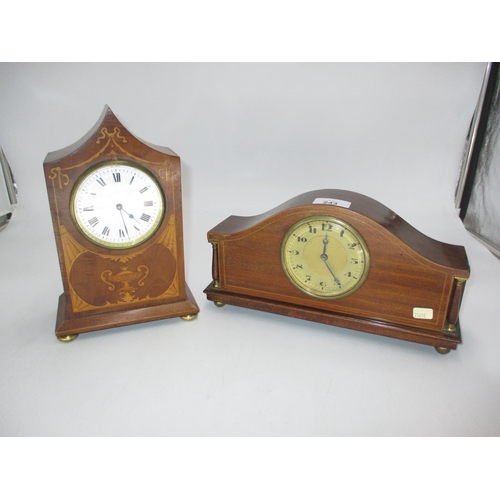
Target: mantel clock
x: 344, y: 259
x: 117, y: 214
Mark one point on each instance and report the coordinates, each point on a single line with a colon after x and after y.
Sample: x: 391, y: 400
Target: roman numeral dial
x: 325, y: 257
x: 117, y: 205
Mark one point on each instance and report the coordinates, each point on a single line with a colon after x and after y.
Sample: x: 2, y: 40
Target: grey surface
x: 250, y: 137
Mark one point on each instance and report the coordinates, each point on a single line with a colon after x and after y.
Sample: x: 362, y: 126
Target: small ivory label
x: 331, y: 201
x: 422, y: 313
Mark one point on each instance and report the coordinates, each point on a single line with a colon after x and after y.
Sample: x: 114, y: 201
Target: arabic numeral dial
x: 325, y: 257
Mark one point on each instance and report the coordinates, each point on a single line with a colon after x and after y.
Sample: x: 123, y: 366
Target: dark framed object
x: 8, y: 191
x: 479, y: 183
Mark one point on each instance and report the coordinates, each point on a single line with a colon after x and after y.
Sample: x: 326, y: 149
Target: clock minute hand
x: 324, y: 258
x: 120, y: 209
x: 332, y: 273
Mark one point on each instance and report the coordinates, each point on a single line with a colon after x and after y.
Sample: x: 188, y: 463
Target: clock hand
x: 324, y: 258
x: 325, y: 242
x: 130, y: 215
x: 120, y: 209
x: 332, y: 273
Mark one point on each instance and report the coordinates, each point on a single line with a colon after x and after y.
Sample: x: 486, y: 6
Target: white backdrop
x: 250, y: 137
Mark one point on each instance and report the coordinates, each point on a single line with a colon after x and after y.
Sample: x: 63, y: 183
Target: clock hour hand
x: 324, y: 258
x: 130, y: 215
x: 325, y: 242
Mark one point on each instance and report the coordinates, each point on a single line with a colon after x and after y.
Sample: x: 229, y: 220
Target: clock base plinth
x: 69, y: 328
x: 443, y: 343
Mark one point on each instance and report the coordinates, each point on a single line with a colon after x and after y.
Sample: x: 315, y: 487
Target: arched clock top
x: 344, y: 202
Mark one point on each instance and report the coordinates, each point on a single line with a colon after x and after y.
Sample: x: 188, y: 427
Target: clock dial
x: 117, y: 205
x: 325, y: 257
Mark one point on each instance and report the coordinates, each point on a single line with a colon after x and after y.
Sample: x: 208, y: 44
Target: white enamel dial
x: 117, y: 205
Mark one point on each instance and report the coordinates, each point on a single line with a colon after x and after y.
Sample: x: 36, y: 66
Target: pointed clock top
x: 107, y: 125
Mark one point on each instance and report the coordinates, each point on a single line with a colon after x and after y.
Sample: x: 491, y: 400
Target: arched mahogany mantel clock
x: 344, y: 259
x: 116, y: 206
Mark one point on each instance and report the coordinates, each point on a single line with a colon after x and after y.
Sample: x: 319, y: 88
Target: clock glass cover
x: 325, y: 257
x: 117, y: 205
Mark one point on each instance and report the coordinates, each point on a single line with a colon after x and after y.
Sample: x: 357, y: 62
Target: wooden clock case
x: 412, y: 292
x: 105, y: 288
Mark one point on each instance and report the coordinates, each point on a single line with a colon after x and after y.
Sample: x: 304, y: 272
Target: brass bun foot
x: 219, y: 304
x: 67, y: 338
x: 189, y: 317
x: 443, y: 350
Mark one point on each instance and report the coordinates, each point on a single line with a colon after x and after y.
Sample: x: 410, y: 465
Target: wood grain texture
x: 99, y: 281
x: 408, y: 270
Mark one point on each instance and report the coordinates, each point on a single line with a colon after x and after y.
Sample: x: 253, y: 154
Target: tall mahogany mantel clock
x: 117, y: 213
x: 344, y: 259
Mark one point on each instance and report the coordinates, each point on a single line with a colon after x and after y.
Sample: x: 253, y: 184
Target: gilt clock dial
x: 117, y: 205
x: 325, y: 257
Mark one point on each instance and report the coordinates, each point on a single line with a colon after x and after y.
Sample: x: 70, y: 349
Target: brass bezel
x: 310, y: 291
x: 92, y: 238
